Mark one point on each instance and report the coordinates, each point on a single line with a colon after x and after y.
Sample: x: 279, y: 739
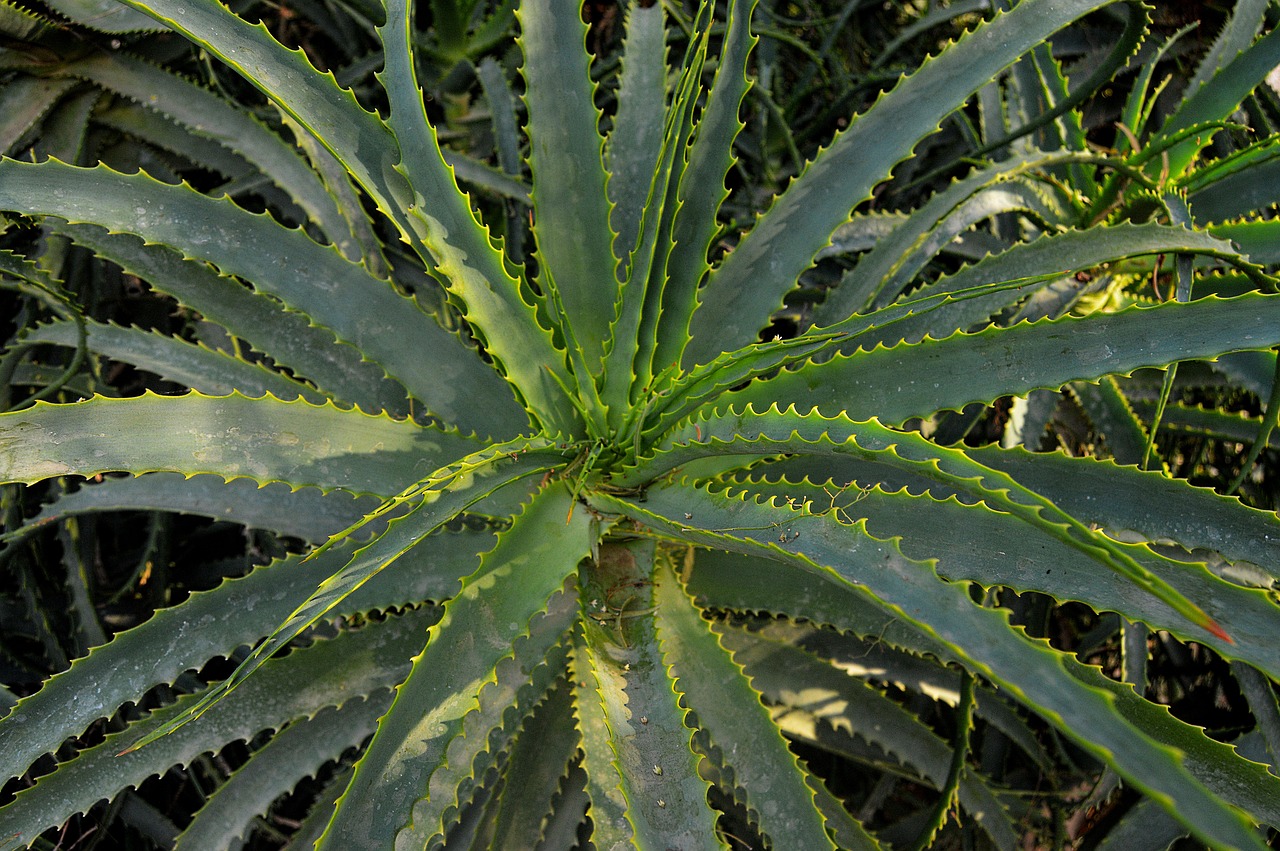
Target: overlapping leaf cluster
x: 614, y: 563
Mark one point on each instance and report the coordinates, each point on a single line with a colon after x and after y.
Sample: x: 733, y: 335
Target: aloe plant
x: 614, y: 565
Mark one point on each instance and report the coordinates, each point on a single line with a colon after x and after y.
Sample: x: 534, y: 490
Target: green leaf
x: 1236, y: 185
x: 640, y: 757
x: 1216, y: 99
x: 898, y: 256
x: 1072, y: 696
x: 472, y: 266
x: 214, y: 623
x: 544, y: 748
x: 286, y: 337
x: 916, y: 380
x: 23, y: 102
x: 702, y: 189
x: 751, y: 281
x: 327, y: 673
x: 193, y: 365
x: 1059, y: 254
x: 1113, y: 418
x: 472, y: 760
x: 728, y: 708
x: 570, y: 205
x: 1257, y: 240
x: 104, y: 15
x: 360, y: 141
x: 434, y: 501
x: 266, y: 440
x: 514, y: 582
x: 1157, y: 507
x: 307, y: 513
x: 852, y: 707
x: 1247, y: 19
x: 206, y: 114
x: 284, y: 263
x: 635, y: 144
x: 959, y: 537
x: 274, y: 769
x: 629, y: 373
x: 774, y: 432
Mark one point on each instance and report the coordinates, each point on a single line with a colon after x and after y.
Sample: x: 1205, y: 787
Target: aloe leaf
x: 307, y: 513
x: 474, y: 759
x: 434, y: 501
x: 752, y: 583
x: 104, y: 16
x: 514, y: 582
x: 459, y: 245
x: 1154, y: 505
x: 851, y: 707
x: 274, y: 769
x: 193, y: 365
x: 1244, y: 184
x: 480, y: 175
x: 151, y: 128
x: 281, y: 262
x: 1089, y: 247
x: 604, y: 778
x: 214, y: 623
x: 702, y: 188
x: 1217, y: 98
x: 730, y: 369
x: 1257, y: 240
x: 640, y: 762
x: 745, y: 430
x: 360, y: 141
x: 1215, y: 424
x: 635, y: 143
x: 544, y: 749
x: 898, y: 256
x: 1072, y: 696
x: 1258, y: 691
x: 286, y: 337
x: 1247, y: 17
x: 1145, y: 504
x: 208, y: 115
x: 23, y: 102
x: 959, y: 537
x: 570, y: 205
x: 917, y: 380
x: 629, y: 373
x: 233, y: 436
x: 1145, y: 824
x: 327, y: 673
x: 870, y: 659
x: 751, y: 281
x: 729, y: 710
x: 357, y: 241
x: 1113, y: 418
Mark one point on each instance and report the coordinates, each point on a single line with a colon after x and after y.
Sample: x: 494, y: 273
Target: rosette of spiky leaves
x: 636, y: 547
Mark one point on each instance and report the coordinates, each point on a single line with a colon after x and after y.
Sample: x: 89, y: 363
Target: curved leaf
x: 192, y: 365
x: 1074, y: 697
x: 287, y: 337
x: 751, y: 281
x: 297, y: 751
x: 284, y: 263
x: 327, y: 673
x: 728, y: 708
x: 905, y: 381
x: 265, y: 439
x: 570, y: 205
x: 514, y: 582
